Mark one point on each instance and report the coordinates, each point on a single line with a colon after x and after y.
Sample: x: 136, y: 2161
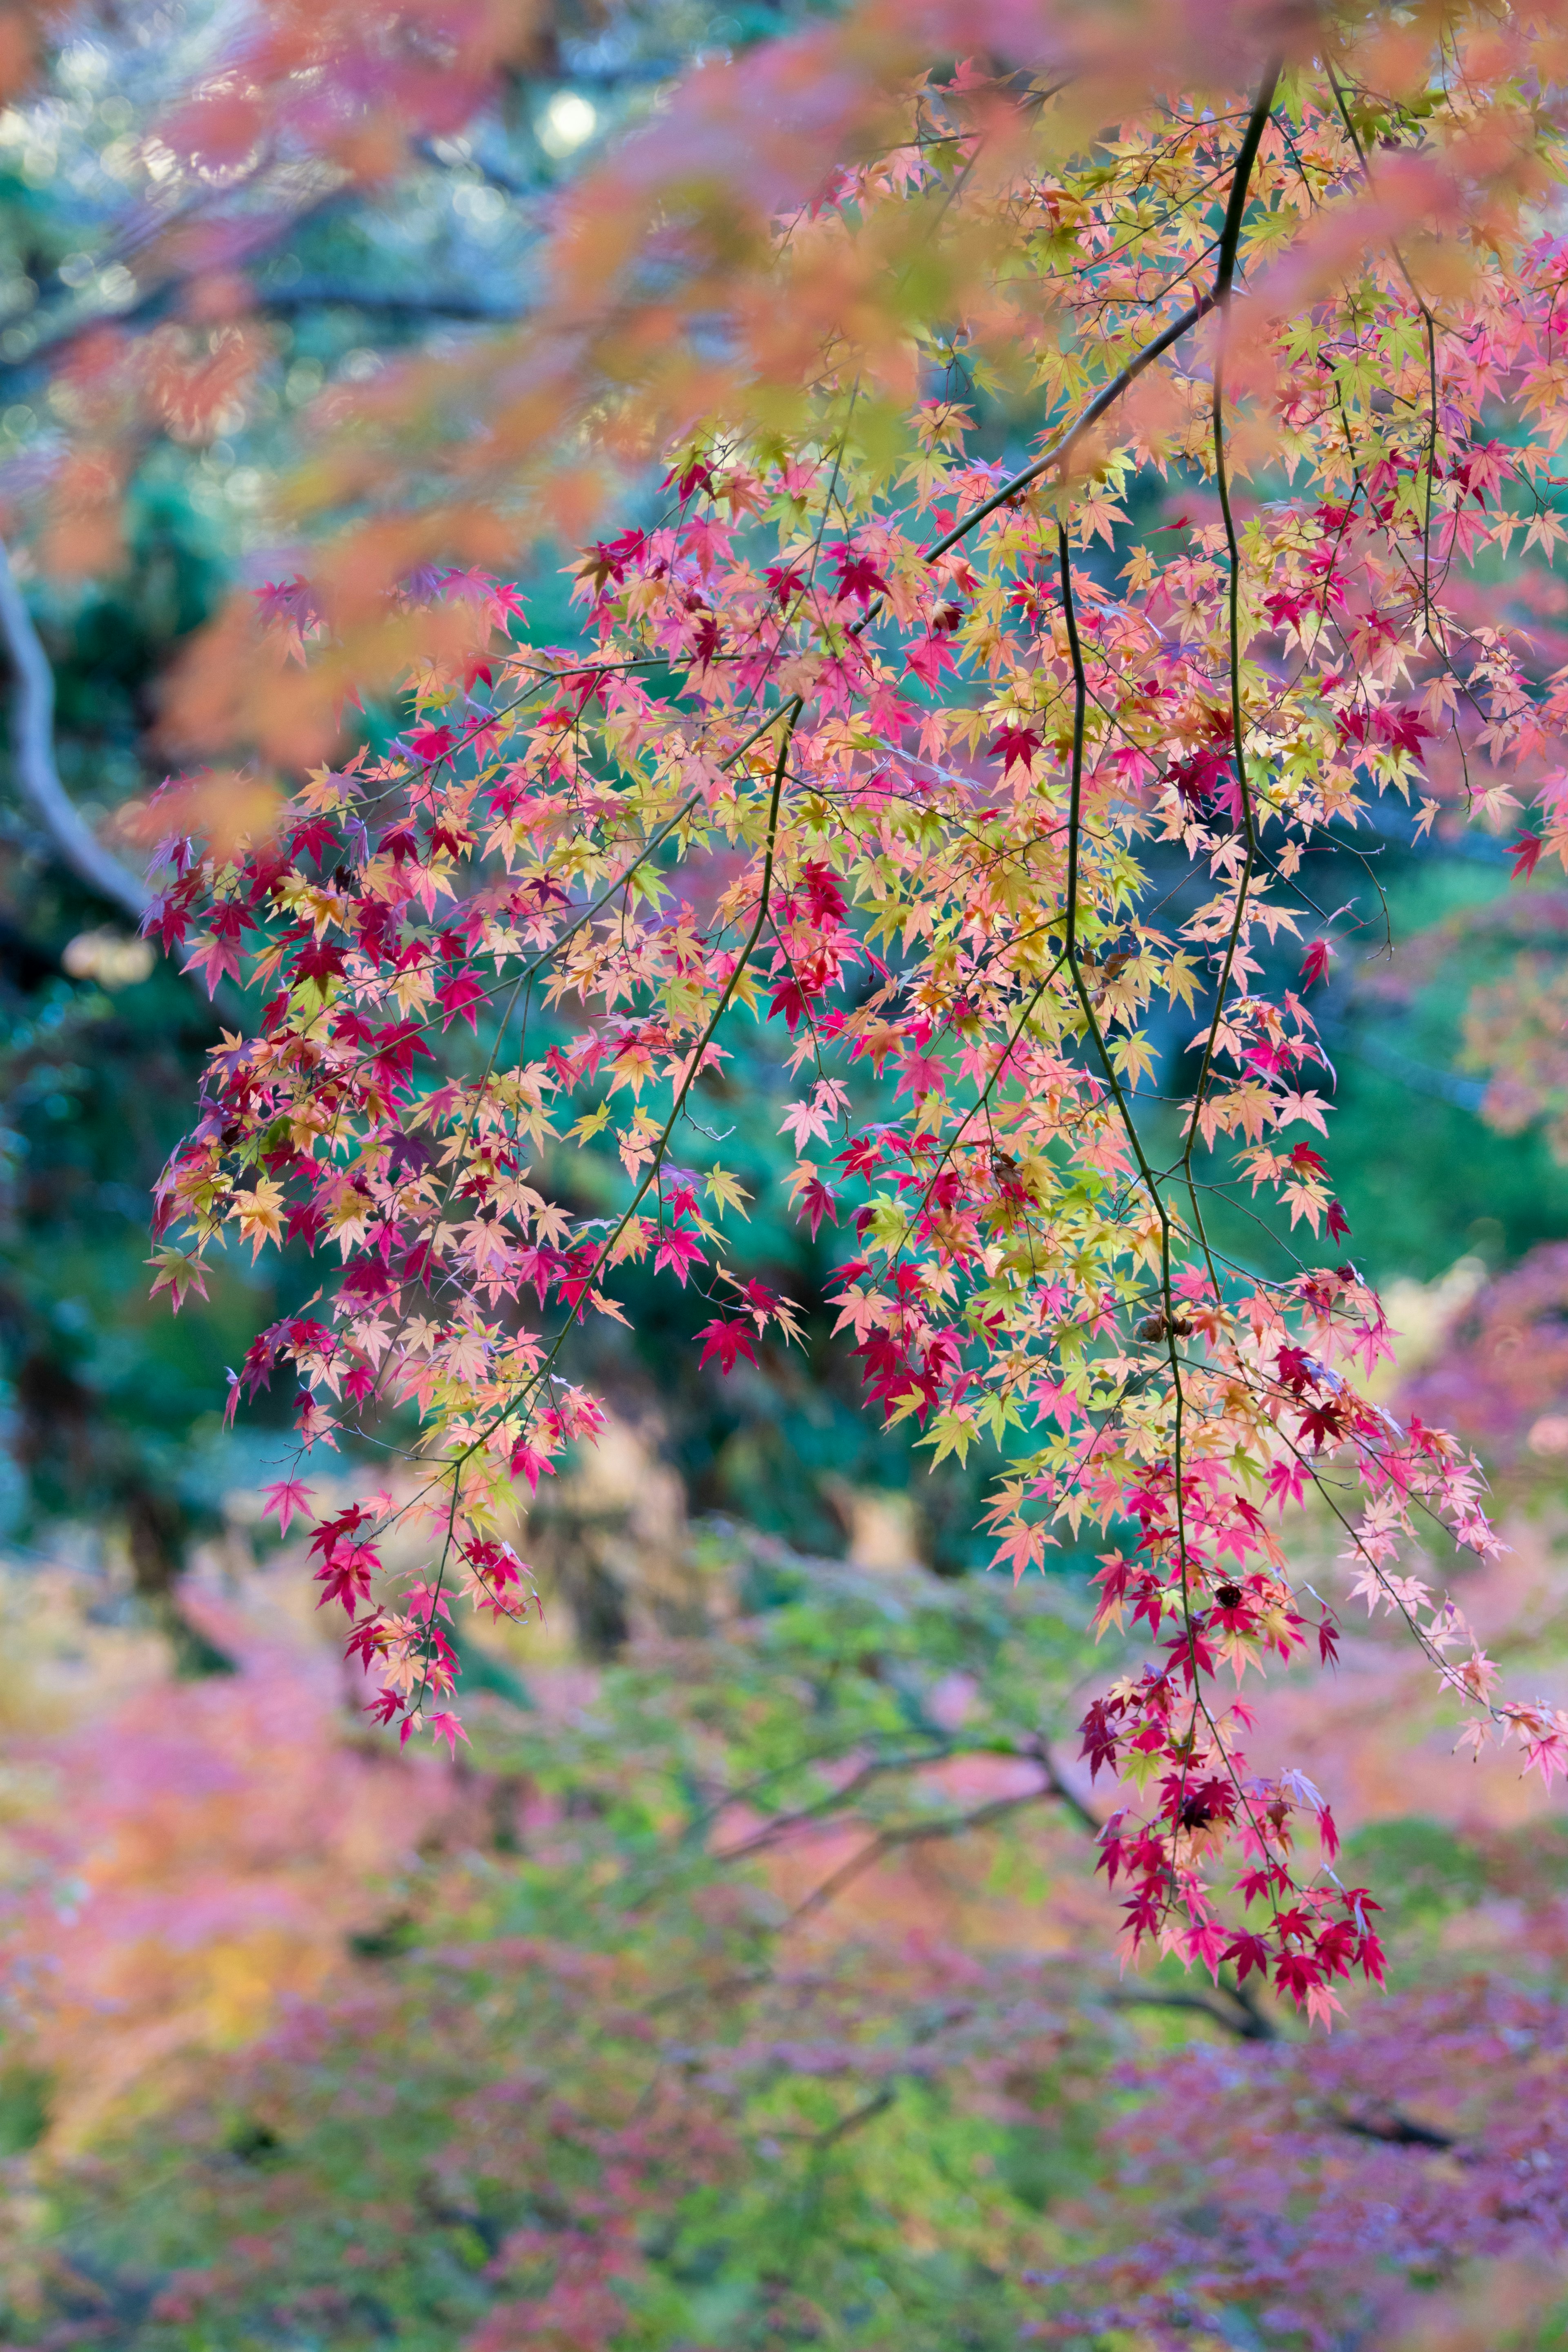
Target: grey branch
x: 921, y: 1832
x: 32, y: 754
x: 412, y: 303
x: 497, y: 175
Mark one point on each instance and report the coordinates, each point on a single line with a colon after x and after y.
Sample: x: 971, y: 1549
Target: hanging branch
x: 955, y: 892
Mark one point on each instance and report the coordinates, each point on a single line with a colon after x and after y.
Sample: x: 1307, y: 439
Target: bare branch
x: 32, y: 754
x: 918, y: 1834
x: 828, y: 1813
x: 819, y: 2142
x: 1394, y: 2128
x: 412, y: 303
x: 1230, y: 2007
x: 1084, y: 1815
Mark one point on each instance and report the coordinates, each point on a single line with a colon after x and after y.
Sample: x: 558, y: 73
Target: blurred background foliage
x: 750, y: 1990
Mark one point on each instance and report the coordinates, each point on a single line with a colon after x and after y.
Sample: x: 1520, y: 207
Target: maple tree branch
x: 1225, y: 272
x: 1395, y: 2129
x: 903, y: 1833
x: 1065, y: 1794
x: 1431, y: 324
x: 818, y: 2143
x: 1111, y: 393
x: 411, y: 303
x: 33, y: 757
x: 38, y: 777
x: 784, y: 1825
x: 1105, y: 398
x: 820, y: 1815
x: 1236, y: 209
x: 1244, y: 2018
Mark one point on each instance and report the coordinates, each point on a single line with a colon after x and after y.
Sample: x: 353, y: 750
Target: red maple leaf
x: 1014, y: 743
x: 930, y: 658
x: 527, y: 1464
x: 320, y: 962
x: 818, y: 1201
x: 1248, y: 1952
x: 447, y: 1726
x: 726, y: 1341
x: 431, y: 743
x: 1289, y: 1480
x: 858, y: 575
x: 459, y: 998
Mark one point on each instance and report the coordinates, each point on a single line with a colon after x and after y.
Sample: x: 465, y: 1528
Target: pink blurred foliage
x: 1500, y: 1378
x: 203, y: 1853
x: 1312, y: 2183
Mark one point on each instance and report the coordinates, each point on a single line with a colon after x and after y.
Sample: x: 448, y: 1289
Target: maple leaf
x: 1525, y: 852
x: 857, y: 574
x: 930, y: 659
x: 179, y: 1274
x: 215, y: 960
x: 319, y: 963
x: 1014, y: 745
x: 287, y: 1501
x: 817, y: 1202
x: 429, y: 743
x: 804, y: 1121
x: 726, y: 1190
x: 1315, y: 963
x: 785, y: 582
x: 728, y: 1342
x: 459, y: 999
x: 528, y: 1463
x: 259, y: 1214
x: 443, y: 1725
x: 679, y: 1251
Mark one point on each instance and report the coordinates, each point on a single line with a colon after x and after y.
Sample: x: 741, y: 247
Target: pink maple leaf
x: 288, y: 1501
x: 728, y: 1342
x: 459, y: 998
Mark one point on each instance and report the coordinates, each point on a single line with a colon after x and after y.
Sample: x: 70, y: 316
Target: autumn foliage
x: 996, y: 787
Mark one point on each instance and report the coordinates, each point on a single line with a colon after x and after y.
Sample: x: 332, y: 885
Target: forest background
x: 745, y: 1983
